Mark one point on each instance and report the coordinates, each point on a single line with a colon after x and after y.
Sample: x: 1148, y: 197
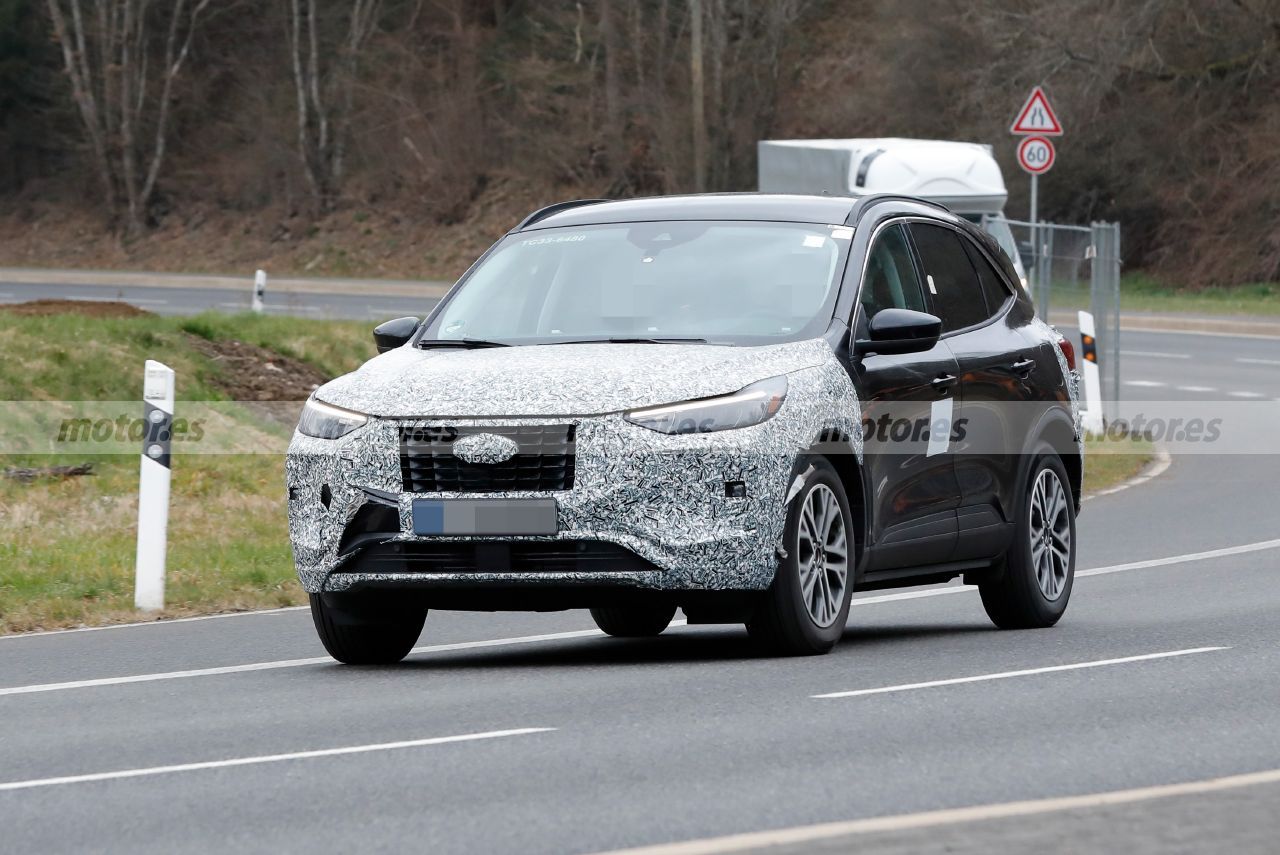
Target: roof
x: 764, y: 207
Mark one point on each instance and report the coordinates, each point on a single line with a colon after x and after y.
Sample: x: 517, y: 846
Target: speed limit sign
x: 1035, y: 155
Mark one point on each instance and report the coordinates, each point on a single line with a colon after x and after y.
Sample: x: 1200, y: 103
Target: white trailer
x: 963, y: 176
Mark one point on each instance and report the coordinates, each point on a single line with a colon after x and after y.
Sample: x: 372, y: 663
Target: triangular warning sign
x: 1036, y: 116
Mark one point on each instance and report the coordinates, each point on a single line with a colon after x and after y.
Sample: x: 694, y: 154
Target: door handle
x: 1023, y: 367
x: 943, y: 382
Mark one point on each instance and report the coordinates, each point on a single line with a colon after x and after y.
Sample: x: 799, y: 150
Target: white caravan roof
x: 963, y: 176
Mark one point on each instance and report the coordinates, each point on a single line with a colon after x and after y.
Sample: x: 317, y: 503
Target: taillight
x: 1069, y: 351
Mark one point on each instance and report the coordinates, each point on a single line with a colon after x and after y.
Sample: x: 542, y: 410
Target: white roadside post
x: 259, y: 290
x: 1091, y: 415
x: 153, y: 487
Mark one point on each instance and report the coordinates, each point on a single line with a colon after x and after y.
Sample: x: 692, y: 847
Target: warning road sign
x: 1036, y: 155
x: 1036, y: 116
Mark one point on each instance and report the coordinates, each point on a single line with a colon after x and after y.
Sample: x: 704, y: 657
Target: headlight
x: 748, y: 406
x: 325, y: 421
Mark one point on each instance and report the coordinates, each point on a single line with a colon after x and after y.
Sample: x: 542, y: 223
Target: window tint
x: 891, y: 281
x: 957, y: 296
x: 993, y: 289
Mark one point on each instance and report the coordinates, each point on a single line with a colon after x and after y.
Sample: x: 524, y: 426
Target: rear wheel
x: 634, y: 621
x: 805, y: 609
x: 363, y: 634
x: 1039, y: 568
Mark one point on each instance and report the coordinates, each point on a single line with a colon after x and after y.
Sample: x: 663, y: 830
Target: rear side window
x: 993, y: 288
x: 957, y: 294
x: 891, y: 281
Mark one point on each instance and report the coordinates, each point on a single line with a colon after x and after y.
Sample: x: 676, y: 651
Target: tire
x: 805, y: 609
x: 633, y: 622
x: 365, y: 636
x: 1039, y: 568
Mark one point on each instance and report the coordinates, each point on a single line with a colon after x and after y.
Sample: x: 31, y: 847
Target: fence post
x: 153, y: 486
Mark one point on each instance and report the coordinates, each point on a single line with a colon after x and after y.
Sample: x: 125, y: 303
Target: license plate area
x: 487, y: 517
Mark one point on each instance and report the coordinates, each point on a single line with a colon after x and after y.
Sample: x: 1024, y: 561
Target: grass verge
x: 1140, y: 293
x: 1109, y: 462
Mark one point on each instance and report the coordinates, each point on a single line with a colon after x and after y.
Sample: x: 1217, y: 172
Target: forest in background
x: 399, y: 137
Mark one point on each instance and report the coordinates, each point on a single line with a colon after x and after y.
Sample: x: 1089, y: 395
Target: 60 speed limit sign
x: 1036, y: 154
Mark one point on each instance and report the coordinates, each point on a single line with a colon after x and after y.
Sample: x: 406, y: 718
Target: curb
x: 1154, y: 468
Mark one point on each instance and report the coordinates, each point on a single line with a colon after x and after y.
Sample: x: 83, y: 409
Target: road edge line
x: 1154, y: 468
x: 948, y: 816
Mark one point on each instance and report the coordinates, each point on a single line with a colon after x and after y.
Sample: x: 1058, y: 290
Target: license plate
x: 493, y: 517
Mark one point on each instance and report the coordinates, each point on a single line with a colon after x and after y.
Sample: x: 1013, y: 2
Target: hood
x: 561, y: 379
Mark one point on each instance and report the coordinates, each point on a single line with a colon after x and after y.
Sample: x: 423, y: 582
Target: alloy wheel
x: 1050, y: 533
x: 822, y: 552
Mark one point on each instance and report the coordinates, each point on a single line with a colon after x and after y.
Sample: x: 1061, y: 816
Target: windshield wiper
x: 631, y: 340
x: 468, y: 343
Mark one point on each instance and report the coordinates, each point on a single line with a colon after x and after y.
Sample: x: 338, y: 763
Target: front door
x: 912, y: 482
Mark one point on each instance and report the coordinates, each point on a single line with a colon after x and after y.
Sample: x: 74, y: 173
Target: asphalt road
x: 188, y: 300
x: 581, y: 743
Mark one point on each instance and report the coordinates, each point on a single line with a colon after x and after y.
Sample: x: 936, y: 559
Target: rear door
x: 997, y: 365
x: 914, y: 489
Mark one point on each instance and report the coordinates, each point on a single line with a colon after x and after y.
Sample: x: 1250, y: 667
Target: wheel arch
x: 1057, y: 430
x: 841, y: 451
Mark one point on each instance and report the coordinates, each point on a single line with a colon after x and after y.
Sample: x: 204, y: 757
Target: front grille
x: 490, y: 556
x: 544, y: 462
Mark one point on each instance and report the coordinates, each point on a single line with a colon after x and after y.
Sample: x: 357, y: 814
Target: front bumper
x: 660, y: 498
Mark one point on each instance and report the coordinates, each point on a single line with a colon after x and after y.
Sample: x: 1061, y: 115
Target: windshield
x: 722, y: 282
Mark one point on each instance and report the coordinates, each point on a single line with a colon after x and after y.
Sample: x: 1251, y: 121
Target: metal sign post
x: 153, y: 487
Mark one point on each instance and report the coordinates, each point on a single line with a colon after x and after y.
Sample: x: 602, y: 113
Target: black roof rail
x: 865, y: 202
x: 543, y: 213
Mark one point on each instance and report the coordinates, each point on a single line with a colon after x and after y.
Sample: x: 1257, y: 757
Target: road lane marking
x: 39, y: 688
x: 1146, y: 384
x: 588, y: 633
x: 1196, y: 389
x: 1026, y: 672
x: 266, y: 758
x: 1246, y: 394
x: 1251, y: 361
x: 1155, y: 354
x: 951, y: 816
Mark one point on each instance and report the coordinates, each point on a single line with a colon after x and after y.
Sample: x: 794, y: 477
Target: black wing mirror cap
x: 392, y: 334
x: 901, y: 331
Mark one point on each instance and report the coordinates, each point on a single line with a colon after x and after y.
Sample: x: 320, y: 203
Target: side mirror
x: 900, y: 331
x: 392, y: 334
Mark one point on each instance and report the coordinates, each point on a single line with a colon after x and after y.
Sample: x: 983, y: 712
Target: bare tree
x: 326, y: 90
x: 123, y: 103
x: 698, y: 96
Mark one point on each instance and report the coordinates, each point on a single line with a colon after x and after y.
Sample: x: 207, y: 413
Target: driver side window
x: 891, y: 281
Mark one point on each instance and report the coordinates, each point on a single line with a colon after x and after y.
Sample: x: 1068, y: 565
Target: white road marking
x: 1196, y: 389
x: 266, y: 758
x: 1155, y: 354
x: 290, y: 308
x: 1027, y: 672
x: 1246, y: 394
x: 588, y: 633
x: 1149, y: 384
x: 288, y: 663
x: 799, y: 835
x: 233, y: 305
x: 1251, y: 361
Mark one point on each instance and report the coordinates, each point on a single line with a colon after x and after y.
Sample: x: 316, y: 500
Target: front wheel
x: 805, y: 609
x: 1039, y: 568
x: 362, y: 634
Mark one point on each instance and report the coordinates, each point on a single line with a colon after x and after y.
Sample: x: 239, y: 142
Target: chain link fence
x: 1073, y: 268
